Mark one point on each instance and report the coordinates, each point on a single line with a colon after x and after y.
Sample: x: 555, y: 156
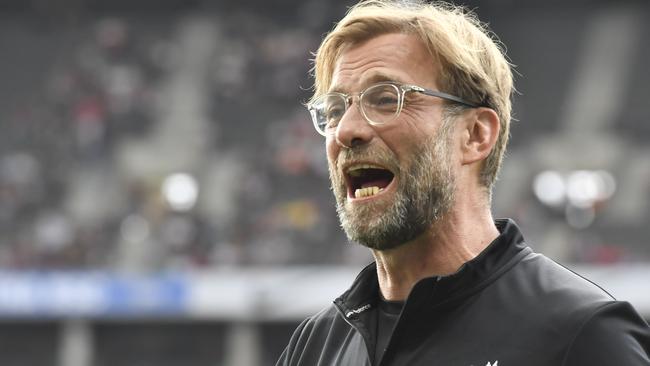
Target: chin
x: 373, y: 235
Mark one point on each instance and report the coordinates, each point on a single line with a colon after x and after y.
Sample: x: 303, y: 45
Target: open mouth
x: 366, y: 180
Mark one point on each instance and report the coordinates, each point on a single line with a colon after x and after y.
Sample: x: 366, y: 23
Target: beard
x: 424, y: 194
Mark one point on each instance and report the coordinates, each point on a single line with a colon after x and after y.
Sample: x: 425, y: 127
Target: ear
x: 480, y: 134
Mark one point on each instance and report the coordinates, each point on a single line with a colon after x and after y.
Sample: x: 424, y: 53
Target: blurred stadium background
x: 164, y: 198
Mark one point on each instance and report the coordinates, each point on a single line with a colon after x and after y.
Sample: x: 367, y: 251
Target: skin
x: 467, y: 228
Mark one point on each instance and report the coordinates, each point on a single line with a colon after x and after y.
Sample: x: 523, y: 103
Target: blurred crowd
x: 90, y: 150
x: 85, y: 155
x: 94, y: 94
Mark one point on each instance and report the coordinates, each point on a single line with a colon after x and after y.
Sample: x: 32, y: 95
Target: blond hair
x: 468, y: 56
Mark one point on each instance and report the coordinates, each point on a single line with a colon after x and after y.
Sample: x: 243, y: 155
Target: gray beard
x: 425, y: 193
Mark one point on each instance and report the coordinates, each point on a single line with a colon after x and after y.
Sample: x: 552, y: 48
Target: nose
x: 353, y: 130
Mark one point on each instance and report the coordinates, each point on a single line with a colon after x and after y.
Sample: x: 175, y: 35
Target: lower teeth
x: 367, y: 192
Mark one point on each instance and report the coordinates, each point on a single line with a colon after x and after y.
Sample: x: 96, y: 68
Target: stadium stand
x: 153, y: 154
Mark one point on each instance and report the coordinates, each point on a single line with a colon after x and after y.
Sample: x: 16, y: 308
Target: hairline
x: 486, y: 78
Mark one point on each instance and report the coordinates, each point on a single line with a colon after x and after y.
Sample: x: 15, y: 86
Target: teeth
x: 367, y: 192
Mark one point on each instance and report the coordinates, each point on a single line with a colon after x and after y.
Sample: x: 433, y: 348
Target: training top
x: 509, y: 306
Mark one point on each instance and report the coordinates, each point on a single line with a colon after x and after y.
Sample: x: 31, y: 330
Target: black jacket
x: 507, y: 307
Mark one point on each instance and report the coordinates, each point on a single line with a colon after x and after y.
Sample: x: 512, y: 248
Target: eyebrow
x: 376, y: 77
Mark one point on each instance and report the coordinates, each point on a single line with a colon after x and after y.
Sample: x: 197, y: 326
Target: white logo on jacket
x: 496, y: 363
x: 363, y: 308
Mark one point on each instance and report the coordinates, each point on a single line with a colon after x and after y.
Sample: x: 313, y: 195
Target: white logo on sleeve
x: 496, y: 363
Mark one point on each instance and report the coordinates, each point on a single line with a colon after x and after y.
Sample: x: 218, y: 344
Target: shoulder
x: 593, y: 327
x: 318, y: 324
x: 308, y: 339
x: 613, y: 334
x: 323, y: 320
x: 541, y: 293
x: 548, y: 280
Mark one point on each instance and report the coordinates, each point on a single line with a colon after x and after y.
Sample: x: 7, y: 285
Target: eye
x: 383, y: 98
x: 334, y: 113
x: 332, y: 110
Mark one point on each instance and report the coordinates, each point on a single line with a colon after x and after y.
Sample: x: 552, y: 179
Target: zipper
x: 399, y: 320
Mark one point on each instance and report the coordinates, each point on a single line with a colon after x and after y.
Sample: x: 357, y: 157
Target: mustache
x: 367, y: 153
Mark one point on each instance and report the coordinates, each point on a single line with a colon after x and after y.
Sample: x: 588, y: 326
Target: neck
x: 441, y: 250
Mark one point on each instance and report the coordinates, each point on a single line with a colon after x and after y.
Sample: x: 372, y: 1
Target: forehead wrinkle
x: 374, y: 77
x: 372, y: 74
x: 350, y: 70
x: 389, y: 60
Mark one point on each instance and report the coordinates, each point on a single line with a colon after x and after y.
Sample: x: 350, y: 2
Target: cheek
x: 405, y: 141
x: 332, y: 150
x: 421, y: 121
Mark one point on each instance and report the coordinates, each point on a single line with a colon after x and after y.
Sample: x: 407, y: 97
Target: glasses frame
x: 402, y: 89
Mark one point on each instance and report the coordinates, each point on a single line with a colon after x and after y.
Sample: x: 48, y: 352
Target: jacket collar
x: 505, y: 251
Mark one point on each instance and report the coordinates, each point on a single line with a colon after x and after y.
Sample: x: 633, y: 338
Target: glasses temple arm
x: 442, y: 95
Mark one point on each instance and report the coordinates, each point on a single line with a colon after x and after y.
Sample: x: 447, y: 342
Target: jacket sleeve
x: 288, y: 357
x: 615, y: 334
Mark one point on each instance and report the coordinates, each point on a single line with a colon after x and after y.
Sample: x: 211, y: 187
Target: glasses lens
x: 380, y: 103
x: 327, y: 111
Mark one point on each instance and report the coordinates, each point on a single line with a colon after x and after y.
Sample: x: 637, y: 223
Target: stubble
x: 425, y: 192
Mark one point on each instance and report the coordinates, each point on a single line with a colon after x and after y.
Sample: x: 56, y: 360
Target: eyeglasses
x: 379, y: 104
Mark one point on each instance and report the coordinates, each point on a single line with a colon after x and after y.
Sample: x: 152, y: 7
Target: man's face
x: 393, y: 181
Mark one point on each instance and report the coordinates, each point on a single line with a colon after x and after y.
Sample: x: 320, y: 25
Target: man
x: 414, y: 103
